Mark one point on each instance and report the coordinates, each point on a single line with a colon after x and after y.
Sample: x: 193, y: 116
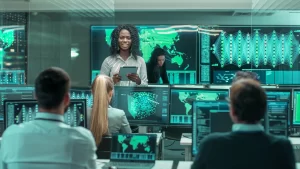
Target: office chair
x: 104, y: 149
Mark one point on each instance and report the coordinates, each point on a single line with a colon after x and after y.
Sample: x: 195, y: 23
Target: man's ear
x: 67, y: 99
x: 232, y: 114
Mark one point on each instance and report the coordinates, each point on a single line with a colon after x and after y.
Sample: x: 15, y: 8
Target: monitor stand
x: 143, y: 129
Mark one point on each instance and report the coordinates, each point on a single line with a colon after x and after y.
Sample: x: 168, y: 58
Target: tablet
x: 125, y: 70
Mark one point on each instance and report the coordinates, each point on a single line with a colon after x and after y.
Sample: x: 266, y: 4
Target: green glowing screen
x: 180, y: 43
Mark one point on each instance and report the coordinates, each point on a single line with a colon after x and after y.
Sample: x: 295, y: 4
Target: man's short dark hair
x: 245, y: 75
x: 248, y: 100
x: 51, y: 85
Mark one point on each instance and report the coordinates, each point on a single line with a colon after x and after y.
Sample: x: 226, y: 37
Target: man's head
x: 245, y: 75
x: 52, y: 90
x: 248, y: 101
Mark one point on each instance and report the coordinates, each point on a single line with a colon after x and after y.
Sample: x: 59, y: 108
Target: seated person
x: 47, y: 142
x: 156, y: 67
x: 102, y: 118
x: 247, y: 146
x: 245, y: 75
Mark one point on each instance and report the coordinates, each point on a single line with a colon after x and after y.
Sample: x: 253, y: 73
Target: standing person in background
x: 102, y: 118
x: 125, y: 46
x: 156, y: 67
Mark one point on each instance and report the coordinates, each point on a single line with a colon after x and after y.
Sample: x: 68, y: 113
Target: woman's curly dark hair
x: 154, y: 55
x: 135, y: 40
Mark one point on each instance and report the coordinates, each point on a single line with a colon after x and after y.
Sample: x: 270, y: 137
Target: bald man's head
x: 248, y: 101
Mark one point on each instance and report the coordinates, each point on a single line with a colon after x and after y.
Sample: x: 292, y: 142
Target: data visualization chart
x: 271, y: 52
x: 143, y: 105
x: 12, y: 54
x: 19, y: 111
x: 82, y: 93
x: 179, y: 41
x: 182, y: 102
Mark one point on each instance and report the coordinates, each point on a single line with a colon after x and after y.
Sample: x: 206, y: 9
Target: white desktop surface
x: 184, y: 164
x: 188, y: 164
x: 295, y: 140
x: 159, y: 164
x: 186, y: 139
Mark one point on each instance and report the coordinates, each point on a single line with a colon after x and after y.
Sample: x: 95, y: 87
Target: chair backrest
x: 104, y: 149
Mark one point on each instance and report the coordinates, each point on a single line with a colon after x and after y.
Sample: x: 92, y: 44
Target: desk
x: 159, y: 164
x: 188, y: 164
x: 184, y: 164
x: 186, y: 141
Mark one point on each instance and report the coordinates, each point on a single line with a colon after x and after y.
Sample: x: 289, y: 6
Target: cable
x: 190, y: 137
x: 170, y: 144
x: 133, y: 130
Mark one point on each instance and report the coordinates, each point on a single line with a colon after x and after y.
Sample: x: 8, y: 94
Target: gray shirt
x: 111, y: 65
x: 117, y: 121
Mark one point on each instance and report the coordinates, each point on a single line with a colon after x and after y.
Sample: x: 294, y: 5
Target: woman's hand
x: 135, y: 78
x: 116, y: 78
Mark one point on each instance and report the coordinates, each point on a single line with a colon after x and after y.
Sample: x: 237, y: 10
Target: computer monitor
x: 211, y: 117
x: 14, y: 92
x: 277, y: 118
x: 182, y: 100
x: 133, y: 147
x: 143, y: 105
x: 277, y: 94
x: 270, y: 51
x: 19, y: 111
x: 179, y: 41
x: 82, y: 93
x: 296, y: 106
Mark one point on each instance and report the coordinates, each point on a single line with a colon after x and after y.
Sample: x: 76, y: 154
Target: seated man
x: 247, y: 146
x: 47, y: 142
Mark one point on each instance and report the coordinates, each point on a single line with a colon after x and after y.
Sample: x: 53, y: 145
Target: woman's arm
x: 164, y: 77
x: 143, y: 73
x: 125, y: 127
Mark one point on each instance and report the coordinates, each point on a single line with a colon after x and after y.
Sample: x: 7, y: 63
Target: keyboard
x: 130, y: 165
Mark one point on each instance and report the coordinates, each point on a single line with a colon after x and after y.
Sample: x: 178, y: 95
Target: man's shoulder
x: 278, y: 140
x: 82, y: 133
x: 216, y: 137
x: 14, y: 129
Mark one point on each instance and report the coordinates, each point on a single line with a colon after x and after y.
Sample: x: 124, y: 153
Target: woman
x: 104, y: 119
x: 124, y: 49
x: 156, y: 67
